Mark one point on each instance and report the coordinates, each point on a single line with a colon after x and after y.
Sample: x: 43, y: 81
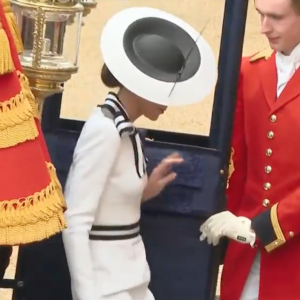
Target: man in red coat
x: 263, y: 217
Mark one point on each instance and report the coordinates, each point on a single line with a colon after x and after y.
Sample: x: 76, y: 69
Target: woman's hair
x: 108, y: 79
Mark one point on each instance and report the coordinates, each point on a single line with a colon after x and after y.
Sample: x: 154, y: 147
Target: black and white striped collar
x: 125, y: 127
x: 121, y: 119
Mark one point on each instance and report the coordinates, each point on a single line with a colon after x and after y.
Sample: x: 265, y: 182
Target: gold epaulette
x: 266, y: 54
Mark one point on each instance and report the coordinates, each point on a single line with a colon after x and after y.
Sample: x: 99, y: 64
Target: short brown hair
x: 109, y: 79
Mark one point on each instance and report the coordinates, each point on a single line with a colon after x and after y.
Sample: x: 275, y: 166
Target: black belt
x: 106, y: 232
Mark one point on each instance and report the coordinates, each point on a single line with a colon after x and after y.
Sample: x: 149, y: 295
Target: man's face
x: 280, y: 23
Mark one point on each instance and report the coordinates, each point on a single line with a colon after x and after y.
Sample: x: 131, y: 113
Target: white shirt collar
x: 285, y: 60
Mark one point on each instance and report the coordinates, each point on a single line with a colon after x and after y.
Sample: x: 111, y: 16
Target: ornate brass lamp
x: 50, y: 46
x: 88, y: 5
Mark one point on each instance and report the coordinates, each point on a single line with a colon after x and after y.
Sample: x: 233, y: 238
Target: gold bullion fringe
x: 58, y: 187
x: 17, y: 124
x: 28, y: 94
x: 6, y: 62
x: 31, y: 219
x: 13, y: 26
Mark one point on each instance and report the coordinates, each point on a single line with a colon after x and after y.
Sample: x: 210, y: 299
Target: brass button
x: 268, y: 169
x: 291, y: 233
x: 267, y: 186
x: 273, y: 118
x: 266, y: 202
x: 269, y: 152
x: 270, y: 135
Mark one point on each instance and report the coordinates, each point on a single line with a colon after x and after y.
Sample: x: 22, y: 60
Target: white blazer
x: 104, y: 189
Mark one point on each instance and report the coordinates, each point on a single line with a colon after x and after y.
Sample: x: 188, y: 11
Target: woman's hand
x: 161, y: 176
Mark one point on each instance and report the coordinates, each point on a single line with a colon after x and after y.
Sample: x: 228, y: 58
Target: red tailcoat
x: 265, y: 184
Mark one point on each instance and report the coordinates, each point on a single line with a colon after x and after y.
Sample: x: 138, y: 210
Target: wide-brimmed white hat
x: 158, y: 56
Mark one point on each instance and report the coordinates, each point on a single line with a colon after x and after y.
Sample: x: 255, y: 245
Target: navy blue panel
x: 182, y: 268
x: 61, y: 148
x: 51, y: 113
x: 193, y: 162
x: 194, y: 191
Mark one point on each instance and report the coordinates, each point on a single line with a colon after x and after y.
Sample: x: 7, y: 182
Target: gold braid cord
x: 230, y: 167
x: 14, y: 29
x: 6, y: 62
x: 33, y: 218
x: 57, y: 185
x: 28, y: 94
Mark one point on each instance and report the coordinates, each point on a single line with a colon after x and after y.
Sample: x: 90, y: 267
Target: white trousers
x: 251, y: 288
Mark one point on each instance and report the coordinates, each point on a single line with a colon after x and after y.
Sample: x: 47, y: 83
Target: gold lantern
x: 50, y: 54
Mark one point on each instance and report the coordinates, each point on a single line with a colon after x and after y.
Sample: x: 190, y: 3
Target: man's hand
x: 229, y: 225
x: 161, y: 176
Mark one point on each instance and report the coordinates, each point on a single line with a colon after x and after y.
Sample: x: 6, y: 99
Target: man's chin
x: 153, y: 119
x: 274, y: 45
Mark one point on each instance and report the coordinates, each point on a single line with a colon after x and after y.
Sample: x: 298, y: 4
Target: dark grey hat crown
x: 161, y: 50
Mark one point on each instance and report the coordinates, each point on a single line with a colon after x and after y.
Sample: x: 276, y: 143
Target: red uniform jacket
x: 265, y: 184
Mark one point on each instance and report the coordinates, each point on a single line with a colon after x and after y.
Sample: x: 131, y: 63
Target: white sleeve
x: 93, y: 159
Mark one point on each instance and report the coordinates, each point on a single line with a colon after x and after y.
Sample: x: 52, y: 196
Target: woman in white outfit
x: 154, y: 59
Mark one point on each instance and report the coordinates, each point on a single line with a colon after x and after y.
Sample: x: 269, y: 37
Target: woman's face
x: 151, y: 110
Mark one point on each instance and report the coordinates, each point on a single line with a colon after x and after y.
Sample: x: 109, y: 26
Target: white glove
x: 229, y: 225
